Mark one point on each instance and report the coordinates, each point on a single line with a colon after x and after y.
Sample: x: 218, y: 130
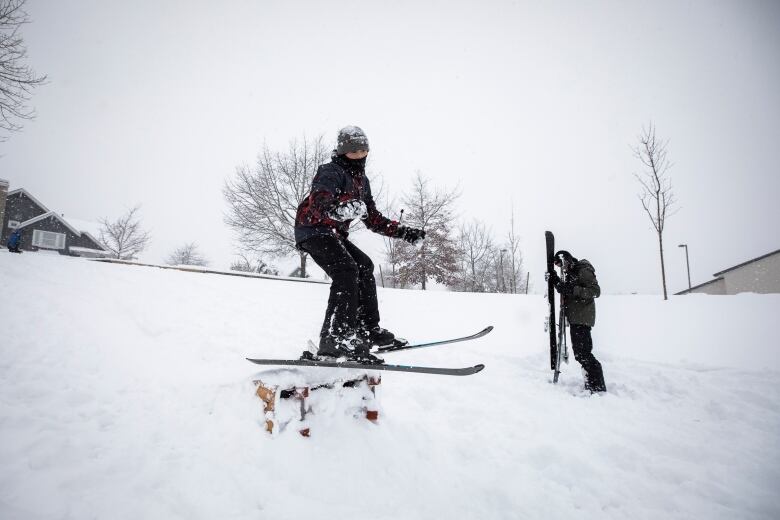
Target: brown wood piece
x: 372, y: 415
x: 268, y: 396
x: 265, y: 393
x: 305, y: 432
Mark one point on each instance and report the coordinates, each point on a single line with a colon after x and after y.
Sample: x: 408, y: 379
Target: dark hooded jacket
x: 336, y: 182
x: 579, y: 305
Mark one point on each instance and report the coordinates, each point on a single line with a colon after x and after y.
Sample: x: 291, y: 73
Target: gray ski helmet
x: 351, y: 139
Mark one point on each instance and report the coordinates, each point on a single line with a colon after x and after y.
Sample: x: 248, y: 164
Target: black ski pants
x: 582, y: 345
x: 352, y: 303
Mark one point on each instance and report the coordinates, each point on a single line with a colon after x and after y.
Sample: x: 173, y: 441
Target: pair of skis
x: 558, y: 347
x: 465, y: 371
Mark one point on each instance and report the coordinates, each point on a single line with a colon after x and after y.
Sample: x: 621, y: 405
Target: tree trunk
x: 303, y: 263
x: 663, y: 268
x: 424, y: 273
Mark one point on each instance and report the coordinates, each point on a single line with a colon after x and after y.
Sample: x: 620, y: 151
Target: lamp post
x: 687, y: 264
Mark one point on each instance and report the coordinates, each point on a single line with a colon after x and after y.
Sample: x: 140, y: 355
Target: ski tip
x: 478, y: 368
x: 488, y: 329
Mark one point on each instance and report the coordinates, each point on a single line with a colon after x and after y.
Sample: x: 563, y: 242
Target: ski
x: 555, y: 360
x: 396, y: 348
x: 465, y: 371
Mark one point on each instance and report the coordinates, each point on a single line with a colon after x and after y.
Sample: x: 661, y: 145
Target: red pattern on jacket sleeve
x: 377, y: 222
x: 316, y: 209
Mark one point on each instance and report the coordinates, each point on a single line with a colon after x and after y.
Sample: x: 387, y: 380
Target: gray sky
x: 529, y: 104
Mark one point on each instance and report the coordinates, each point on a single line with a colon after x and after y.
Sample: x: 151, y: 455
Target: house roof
x: 686, y: 291
x: 47, y: 215
x: 748, y: 262
x: 29, y: 196
x: 90, y: 229
x: 88, y: 250
x: 87, y: 227
x: 95, y: 240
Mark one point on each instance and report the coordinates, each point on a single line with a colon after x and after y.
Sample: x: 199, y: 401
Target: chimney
x: 3, y: 194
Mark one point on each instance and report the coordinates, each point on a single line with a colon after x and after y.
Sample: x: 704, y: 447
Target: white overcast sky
x: 531, y: 104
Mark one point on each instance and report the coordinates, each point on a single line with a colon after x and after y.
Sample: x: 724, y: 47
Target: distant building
x: 760, y: 275
x: 42, y: 228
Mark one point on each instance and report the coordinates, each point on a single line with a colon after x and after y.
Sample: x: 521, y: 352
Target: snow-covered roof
x: 686, y: 291
x: 81, y: 224
x: 29, y: 196
x: 77, y: 249
x: 746, y: 263
x: 86, y: 227
x: 47, y: 215
x: 91, y: 236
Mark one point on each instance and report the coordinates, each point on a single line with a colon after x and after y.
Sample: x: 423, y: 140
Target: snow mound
x: 124, y: 393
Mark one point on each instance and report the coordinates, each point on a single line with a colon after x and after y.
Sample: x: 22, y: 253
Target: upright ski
x: 555, y: 359
x: 466, y: 371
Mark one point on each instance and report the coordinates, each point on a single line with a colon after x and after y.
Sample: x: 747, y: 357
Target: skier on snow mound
x: 340, y: 192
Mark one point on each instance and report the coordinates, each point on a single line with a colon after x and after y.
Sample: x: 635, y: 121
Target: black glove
x: 552, y: 275
x: 564, y: 288
x: 411, y: 235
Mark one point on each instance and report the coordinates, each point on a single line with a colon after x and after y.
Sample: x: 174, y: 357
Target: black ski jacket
x: 579, y: 306
x: 338, y: 181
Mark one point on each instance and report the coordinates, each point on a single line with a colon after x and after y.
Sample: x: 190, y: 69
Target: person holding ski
x: 340, y: 193
x: 578, y: 291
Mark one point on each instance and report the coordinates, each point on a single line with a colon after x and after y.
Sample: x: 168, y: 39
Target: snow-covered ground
x: 124, y: 394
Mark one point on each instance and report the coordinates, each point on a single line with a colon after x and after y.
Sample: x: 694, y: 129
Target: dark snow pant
x: 582, y: 344
x: 352, y: 302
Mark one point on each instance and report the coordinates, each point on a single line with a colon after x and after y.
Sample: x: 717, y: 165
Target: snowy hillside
x: 124, y: 394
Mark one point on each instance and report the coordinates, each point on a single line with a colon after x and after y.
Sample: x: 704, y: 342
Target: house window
x: 48, y: 239
x: 13, y: 224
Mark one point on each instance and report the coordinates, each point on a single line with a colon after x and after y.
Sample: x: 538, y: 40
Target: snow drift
x: 124, y: 393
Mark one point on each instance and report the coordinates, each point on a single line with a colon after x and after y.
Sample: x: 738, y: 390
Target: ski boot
x: 334, y: 347
x: 362, y: 350
x: 353, y: 348
x: 383, y: 338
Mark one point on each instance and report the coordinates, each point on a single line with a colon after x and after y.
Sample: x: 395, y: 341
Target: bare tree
x: 433, y: 211
x: 263, y: 200
x: 392, y: 251
x: 188, y: 254
x: 16, y: 78
x: 475, y: 245
x: 514, y: 265
x: 123, y: 237
x: 656, y: 194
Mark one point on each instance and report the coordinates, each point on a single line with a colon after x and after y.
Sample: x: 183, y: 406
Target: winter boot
x: 594, y: 378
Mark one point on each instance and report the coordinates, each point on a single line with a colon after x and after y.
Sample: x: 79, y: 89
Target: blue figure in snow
x: 15, y: 241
